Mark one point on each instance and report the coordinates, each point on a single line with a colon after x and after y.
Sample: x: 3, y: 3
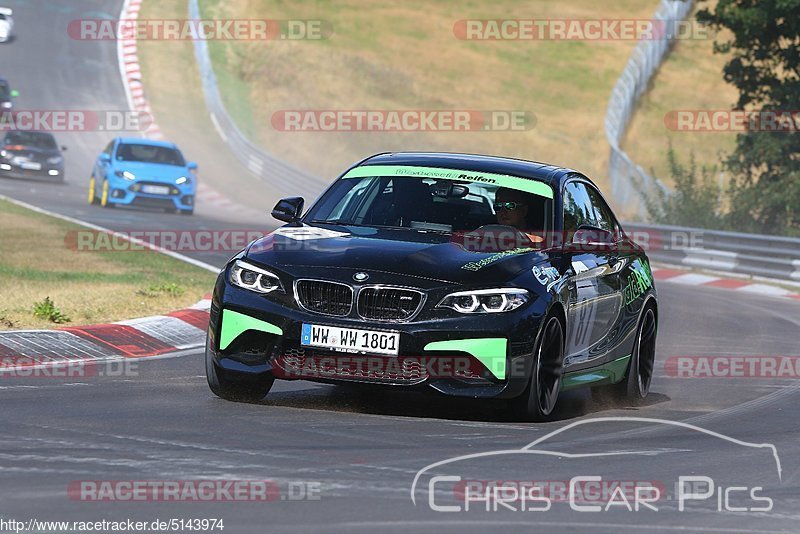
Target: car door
x: 594, y: 287
x: 103, y: 163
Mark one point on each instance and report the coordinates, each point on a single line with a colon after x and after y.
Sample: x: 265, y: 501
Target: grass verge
x: 172, y: 81
x: 690, y: 79
x: 46, y: 283
x: 384, y: 56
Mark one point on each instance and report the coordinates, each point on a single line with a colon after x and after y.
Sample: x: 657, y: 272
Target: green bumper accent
x: 234, y: 323
x: 490, y: 351
x: 610, y: 373
x: 410, y: 171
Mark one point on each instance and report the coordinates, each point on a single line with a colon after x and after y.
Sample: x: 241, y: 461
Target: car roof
x: 143, y: 141
x: 552, y: 175
x: 36, y: 132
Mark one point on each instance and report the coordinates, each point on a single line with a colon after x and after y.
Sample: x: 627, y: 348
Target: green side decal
x: 490, y: 351
x: 234, y: 323
x: 639, y: 281
x: 480, y: 264
x: 610, y: 373
x: 502, y: 180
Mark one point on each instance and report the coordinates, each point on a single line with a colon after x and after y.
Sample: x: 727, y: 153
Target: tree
x: 765, y: 68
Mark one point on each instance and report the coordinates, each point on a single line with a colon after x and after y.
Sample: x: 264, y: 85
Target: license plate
x: 155, y: 189
x: 31, y: 166
x: 350, y: 339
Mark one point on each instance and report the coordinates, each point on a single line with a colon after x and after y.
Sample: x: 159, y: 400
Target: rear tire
x: 247, y: 389
x: 539, y: 398
x: 187, y: 212
x: 634, y: 388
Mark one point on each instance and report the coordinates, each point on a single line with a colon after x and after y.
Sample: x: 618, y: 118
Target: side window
x: 109, y: 148
x: 603, y: 214
x: 578, y: 207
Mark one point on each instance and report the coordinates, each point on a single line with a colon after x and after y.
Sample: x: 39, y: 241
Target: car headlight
x: 485, y: 300
x: 254, y: 278
x: 126, y: 174
x: 7, y: 105
x: 55, y: 160
x: 183, y: 180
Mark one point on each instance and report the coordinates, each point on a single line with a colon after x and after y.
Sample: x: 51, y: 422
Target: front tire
x: 104, y: 196
x: 247, y: 389
x: 539, y: 398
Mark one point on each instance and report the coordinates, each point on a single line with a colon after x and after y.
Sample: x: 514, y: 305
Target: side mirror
x: 192, y: 166
x: 105, y: 158
x: 63, y: 148
x: 14, y: 93
x: 288, y: 209
x: 589, y: 238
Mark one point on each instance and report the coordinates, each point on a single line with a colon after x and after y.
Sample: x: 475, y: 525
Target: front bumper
x: 486, y: 356
x: 125, y: 194
x: 50, y: 173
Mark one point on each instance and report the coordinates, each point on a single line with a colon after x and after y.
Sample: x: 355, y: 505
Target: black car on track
x: 475, y: 276
x: 31, y: 155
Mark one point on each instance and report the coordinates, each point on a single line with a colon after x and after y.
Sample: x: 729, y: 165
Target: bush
x: 48, y: 311
x: 695, y: 201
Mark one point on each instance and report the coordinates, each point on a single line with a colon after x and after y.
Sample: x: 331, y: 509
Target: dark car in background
x: 31, y: 155
x: 400, y: 274
x: 7, y: 95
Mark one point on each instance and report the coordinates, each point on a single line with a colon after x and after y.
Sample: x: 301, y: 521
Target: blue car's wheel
x: 93, y: 199
x: 104, y: 196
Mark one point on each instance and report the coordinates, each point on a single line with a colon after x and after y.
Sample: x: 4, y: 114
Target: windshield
x: 5, y: 91
x: 430, y: 203
x: 41, y: 140
x: 150, y: 154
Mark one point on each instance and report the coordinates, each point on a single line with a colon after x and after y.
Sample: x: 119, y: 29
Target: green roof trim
x: 410, y: 171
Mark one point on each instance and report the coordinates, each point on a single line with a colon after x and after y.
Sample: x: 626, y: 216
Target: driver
x: 511, y: 208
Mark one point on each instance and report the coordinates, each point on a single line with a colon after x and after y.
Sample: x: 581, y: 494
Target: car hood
x: 434, y: 256
x: 152, y: 172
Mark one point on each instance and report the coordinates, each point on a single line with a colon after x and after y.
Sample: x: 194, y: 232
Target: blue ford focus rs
x: 141, y: 172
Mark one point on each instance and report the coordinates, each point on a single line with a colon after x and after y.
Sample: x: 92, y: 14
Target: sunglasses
x: 510, y: 206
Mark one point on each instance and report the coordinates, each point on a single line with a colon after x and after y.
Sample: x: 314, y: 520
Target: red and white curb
x: 689, y: 278
x: 131, y: 72
x: 136, y: 338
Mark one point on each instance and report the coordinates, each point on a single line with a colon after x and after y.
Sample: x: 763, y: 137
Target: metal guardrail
x: 284, y: 178
x: 748, y: 254
x: 629, y: 180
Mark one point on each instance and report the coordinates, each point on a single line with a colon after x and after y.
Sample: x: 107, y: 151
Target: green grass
x: 46, y: 283
x: 404, y: 56
x: 690, y: 79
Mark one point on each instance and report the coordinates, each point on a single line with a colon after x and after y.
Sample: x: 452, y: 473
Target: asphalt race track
x: 363, y: 448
